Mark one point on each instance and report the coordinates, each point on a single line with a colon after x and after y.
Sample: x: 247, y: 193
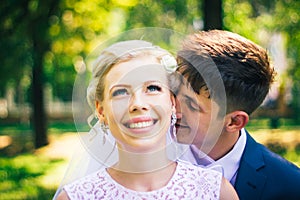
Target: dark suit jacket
x: 265, y: 175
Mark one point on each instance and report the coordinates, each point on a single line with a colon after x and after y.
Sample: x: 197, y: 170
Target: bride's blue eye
x: 119, y: 92
x: 153, y: 88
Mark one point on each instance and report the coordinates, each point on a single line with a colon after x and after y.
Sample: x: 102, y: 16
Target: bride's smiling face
x: 137, y: 103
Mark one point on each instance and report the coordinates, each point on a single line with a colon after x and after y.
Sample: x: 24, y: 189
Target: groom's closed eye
x: 192, y: 104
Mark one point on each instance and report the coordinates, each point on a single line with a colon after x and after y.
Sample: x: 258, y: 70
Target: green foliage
x: 276, y: 147
x: 259, y: 19
x: 22, y: 177
x: 74, y: 28
x: 176, y: 15
x: 297, y: 149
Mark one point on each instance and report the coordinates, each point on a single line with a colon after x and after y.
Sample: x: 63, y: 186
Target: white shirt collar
x: 230, y: 162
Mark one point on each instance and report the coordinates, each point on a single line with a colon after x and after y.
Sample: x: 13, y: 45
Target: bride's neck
x: 142, y: 162
x: 143, y: 171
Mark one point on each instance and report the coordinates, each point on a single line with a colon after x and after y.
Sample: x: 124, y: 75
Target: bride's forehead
x: 137, y: 74
x: 138, y: 57
x: 137, y: 65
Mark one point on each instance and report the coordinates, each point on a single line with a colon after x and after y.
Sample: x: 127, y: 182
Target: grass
x: 26, y: 173
x: 29, y: 176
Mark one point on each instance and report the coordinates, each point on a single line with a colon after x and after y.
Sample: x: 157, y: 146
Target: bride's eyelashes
x: 154, y: 88
x: 147, y: 88
x: 120, y: 92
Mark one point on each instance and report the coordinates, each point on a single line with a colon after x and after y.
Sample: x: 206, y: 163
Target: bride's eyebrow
x: 153, y: 81
x: 118, y: 86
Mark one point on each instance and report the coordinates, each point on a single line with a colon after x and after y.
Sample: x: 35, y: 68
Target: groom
x: 225, y: 77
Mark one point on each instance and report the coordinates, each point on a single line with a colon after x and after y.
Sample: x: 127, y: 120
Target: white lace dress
x: 188, y: 182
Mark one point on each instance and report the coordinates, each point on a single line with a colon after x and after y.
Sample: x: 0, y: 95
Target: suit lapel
x: 250, y: 181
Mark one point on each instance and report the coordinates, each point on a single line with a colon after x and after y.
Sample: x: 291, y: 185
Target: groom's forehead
x: 185, y: 89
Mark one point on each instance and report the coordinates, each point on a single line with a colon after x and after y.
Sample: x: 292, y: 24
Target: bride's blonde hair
x: 121, y: 52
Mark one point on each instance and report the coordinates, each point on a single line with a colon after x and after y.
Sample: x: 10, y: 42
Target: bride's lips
x: 140, y: 122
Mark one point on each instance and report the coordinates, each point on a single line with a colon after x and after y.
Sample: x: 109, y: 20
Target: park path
x: 62, y: 146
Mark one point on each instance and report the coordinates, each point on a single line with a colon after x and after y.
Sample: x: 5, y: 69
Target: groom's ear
x: 236, y: 120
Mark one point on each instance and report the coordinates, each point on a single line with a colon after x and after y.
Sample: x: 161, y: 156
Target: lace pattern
x: 188, y: 182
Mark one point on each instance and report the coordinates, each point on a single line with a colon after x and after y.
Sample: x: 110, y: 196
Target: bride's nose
x: 138, y: 102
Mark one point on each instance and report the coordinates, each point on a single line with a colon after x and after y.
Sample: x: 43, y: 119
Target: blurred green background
x: 43, y: 45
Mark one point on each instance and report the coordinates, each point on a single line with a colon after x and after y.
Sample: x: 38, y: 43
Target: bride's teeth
x: 140, y: 124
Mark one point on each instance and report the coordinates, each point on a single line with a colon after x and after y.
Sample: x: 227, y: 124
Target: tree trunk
x: 39, y: 27
x: 213, y: 14
x: 39, y: 114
